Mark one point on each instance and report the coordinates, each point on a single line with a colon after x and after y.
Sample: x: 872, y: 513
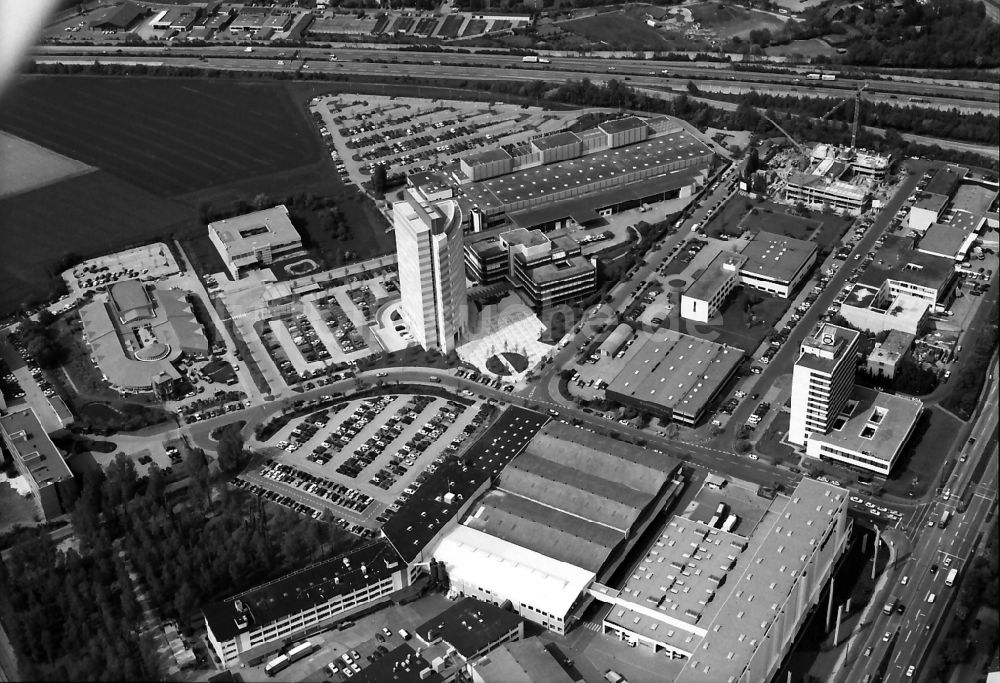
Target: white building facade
x: 431, y: 268
x: 822, y: 380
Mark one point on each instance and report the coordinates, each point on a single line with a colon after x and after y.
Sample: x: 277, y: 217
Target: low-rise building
x: 526, y: 661
x: 471, y: 629
x: 673, y: 375
x: 904, y: 270
x: 926, y: 210
x: 870, y: 432
x: 318, y: 595
x: 705, y: 297
x: 819, y: 190
x: 887, y: 354
x: 400, y: 665
x: 255, y: 239
x: 947, y: 241
x: 39, y: 461
x: 879, y: 310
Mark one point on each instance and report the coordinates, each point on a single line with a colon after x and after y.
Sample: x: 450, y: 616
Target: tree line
x: 74, y: 615
x: 951, y: 123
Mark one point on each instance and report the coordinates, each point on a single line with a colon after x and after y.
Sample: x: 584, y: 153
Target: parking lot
x: 361, y: 459
x: 147, y: 263
x: 409, y: 135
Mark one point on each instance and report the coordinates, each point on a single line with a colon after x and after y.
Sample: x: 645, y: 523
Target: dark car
x: 933, y: 569
x: 900, y: 608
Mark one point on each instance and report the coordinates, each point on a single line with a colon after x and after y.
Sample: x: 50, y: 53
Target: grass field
x: 169, y: 136
x: 27, y: 166
x: 781, y: 223
x: 617, y: 30
x: 730, y: 20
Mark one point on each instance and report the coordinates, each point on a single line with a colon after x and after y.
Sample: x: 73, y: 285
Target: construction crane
x: 788, y: 135
x: 857, y: 113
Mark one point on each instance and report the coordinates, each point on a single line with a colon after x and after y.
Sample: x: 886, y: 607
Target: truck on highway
x: 814, y: 77
x: 945, y: 518
x: 889, y: 606
x: 534, y: 59
x: 829, y: 77
x: 952, y: 575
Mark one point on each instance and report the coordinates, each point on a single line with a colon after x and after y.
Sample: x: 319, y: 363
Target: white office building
x: 255, y: 239
x: 431, y: 267
x: 822, y: 380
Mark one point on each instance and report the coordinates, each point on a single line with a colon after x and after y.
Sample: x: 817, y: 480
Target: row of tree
x: 74, y: 615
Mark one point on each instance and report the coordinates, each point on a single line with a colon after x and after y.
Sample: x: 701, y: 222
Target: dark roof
x: 621, y: 125
x: 555, y: 140
x: 898, y: 260
x: 305, y: 588
x: 119, y: 16
x: 469, y: 626
x: 222, y: 677
x: 945, y: 180
x: 420, y: 518
x: 402, y: 665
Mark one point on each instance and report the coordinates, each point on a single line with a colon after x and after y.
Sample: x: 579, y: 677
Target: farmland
x: 169, y: 137
x: 164, y: 149
x: 89, y: 214
x: 28, y: 166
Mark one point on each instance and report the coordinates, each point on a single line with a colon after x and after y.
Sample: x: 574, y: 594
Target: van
x: 931, y: 597
x: 404, y: 634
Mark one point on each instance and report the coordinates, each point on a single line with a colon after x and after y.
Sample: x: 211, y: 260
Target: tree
x: 379, y: 179
x: 230, y: 451
x: 692, y: 88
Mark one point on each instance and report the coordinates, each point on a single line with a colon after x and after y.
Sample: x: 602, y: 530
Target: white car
x: 905, y: 580
x: 752, y: 456
x: 855, y: 499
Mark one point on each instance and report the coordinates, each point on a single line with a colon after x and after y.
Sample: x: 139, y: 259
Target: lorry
x: 889, y: 606
x: 534, y: 59
x: 612, y: 676
x: 952, y: 575
x: 945, y: 517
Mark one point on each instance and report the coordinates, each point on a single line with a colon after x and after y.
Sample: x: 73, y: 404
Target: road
x: 473, y: 65
x: 912, y: 633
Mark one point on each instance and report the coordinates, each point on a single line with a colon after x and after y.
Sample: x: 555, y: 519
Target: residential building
x: 673, y: 375
x: 255, y: 239
x: 822, y: 380
x: 431, y: 268
x: 887, y: 354
x: 250, y: 625
x: 39, y: 461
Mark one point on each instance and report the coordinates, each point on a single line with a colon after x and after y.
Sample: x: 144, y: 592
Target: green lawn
x: 770, y: 441
x: 736, y: 327
x: 925, y: 453
x: 617, y: 30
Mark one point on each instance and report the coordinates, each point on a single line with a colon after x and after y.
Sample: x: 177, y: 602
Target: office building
x: 869, y: 433
x: 817, y: 190
x: 901, y: 269
x: 39, y: 461
x: 822, y: 380
x: 403, y: 665
x: 548, y: 269
x: 950, y: 241
x: 879, y: 309
x: 431, y: 268
x: 471, y: 629
x: 253, y: 624
x: 769, y: 263
x: 705, y: 297
x: 731, y: 605
x: 673, y: 376
x: 255, y: 239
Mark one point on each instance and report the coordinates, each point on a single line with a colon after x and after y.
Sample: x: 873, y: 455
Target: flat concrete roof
x: 525, y: 661
x: 942, y: 240
x: 819, y: 182
x: 622, y: 125
x: 776, y: 256
x: 930, y: 202
x: 34, y: 447
x: 270, y: 226
x: 873, y: 423
x: 486, y: 156
x: 892, y: 348
x: 608, y: 165
x: 555, y: 140
x: 567, y: 267
x: 724, y: 266
x: 825, y: 345
x: 945, y: 180
x: 898, y: 260
x: 966, y: 221
x: 524, y: 237
x: 675, y: 370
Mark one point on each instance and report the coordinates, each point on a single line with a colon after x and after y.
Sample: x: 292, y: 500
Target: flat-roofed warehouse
x: 562, y: 515
x: 657, y: 157
x: 673, y: 375
x: 574, y: 496
x: 733, y: 605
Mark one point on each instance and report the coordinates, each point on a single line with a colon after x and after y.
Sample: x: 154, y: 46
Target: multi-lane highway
x: 642, y: 73
x: 922, y: 572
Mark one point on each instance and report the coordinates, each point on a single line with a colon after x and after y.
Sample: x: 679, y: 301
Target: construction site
x: 840, y: 178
